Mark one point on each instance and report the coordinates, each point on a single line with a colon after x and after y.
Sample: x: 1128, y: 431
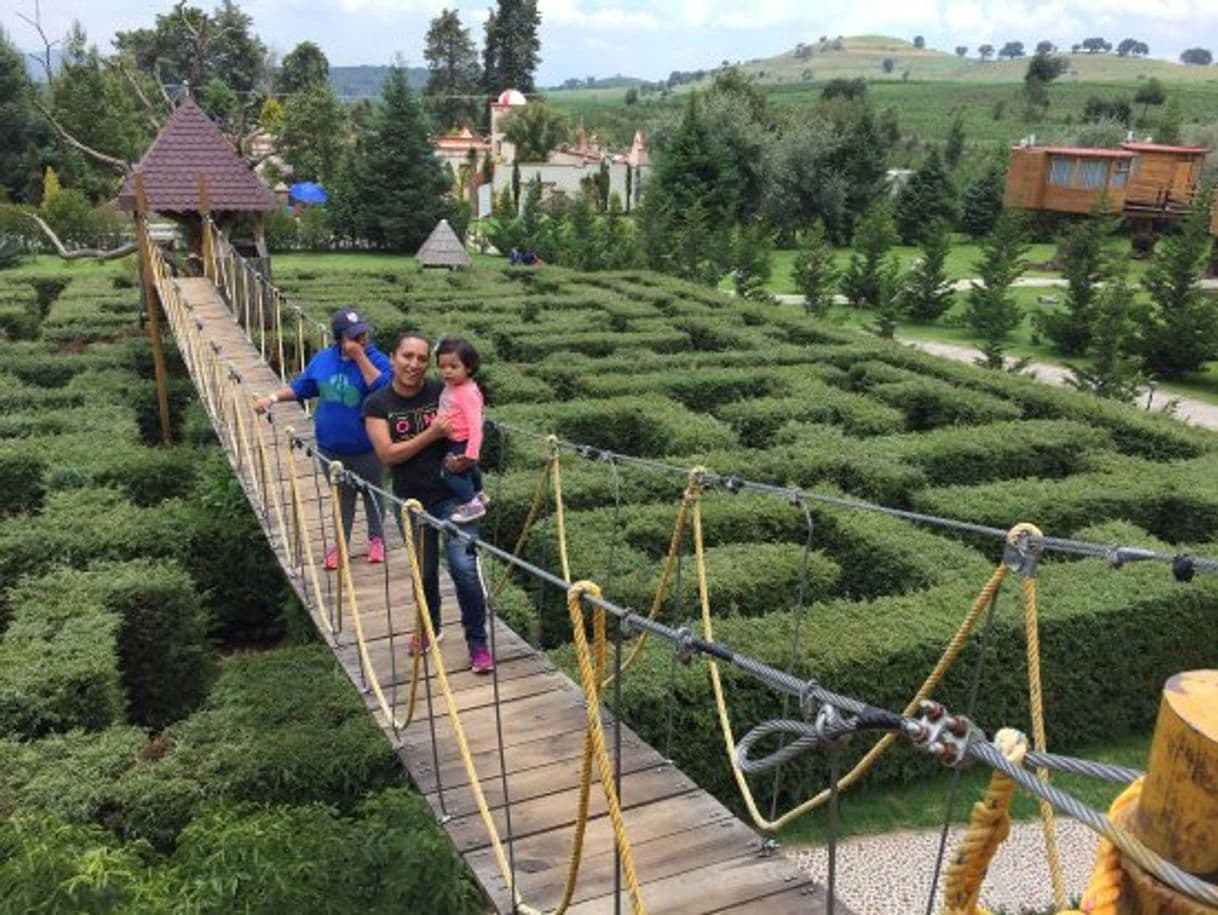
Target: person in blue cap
x: 341, y: 377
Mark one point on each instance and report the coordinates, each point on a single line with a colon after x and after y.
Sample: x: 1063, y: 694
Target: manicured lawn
x: 921, y: 804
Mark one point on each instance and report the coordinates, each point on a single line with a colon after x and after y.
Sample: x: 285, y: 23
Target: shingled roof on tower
x: 443, y: 248
x: 188, y: 144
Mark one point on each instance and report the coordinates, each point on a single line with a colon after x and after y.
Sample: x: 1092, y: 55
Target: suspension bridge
x: 554, y: 803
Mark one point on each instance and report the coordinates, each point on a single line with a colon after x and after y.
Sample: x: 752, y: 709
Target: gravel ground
x: 891, y: 874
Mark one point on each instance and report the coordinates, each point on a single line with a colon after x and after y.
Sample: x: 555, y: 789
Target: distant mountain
x: 616, y: 81
x: 365, y: 80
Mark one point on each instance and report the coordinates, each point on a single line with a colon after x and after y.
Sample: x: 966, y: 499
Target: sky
x: 650, y: 38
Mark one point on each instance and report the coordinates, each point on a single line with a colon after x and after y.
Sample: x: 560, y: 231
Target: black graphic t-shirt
x: 419, y: 477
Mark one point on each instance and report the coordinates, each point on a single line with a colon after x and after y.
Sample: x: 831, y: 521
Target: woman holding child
x: 410, y: 422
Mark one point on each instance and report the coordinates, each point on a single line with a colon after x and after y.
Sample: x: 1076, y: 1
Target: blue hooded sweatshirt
x: 340, y: 389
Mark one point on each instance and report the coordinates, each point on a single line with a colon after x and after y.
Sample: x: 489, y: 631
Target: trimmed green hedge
x: 928, y: 403
x: 881, y: 650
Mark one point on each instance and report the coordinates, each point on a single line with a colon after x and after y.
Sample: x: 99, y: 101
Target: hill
x: 364, y: 81
x: 864, y: 56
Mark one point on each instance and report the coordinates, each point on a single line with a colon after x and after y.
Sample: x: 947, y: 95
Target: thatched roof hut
x: 443, y: 249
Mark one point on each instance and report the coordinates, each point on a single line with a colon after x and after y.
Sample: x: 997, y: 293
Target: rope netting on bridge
x: 283, y: 474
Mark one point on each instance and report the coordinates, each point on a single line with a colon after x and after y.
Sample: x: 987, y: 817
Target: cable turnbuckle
x: 943, y: 734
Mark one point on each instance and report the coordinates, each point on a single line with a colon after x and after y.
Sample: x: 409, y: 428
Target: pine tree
x: 695, y: 169
x: 983, y: 202
x: 814, y: 272
x: 752, y: 260
x: 1116, y: 373
x: 926, y: 292
x: 885, y: 305
x: 1085, y: 266
x: 1181, y: 333
x: 24, y: 128
x: 453, y: 74
x: 512, y: 49
x: 874, y: 237
x: 992, y: 311
x: 953, y: 150
x: 399, y: 187
x: 929, y: 195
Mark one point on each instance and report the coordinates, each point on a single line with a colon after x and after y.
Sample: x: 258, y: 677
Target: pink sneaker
x: 331, y: 561
x: 376, y: 549
x: 419, y: 643
x: 481, y: 662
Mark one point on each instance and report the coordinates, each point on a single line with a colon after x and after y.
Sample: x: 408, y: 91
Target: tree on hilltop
x: 1011, y: 50
x: 919, y: 42
x: 985, y: 51
x: 1196, y: 57
x: 453, y: 73
x: 1096, y: 45
x: 1045, y: 47
x: 1132, y: 47
x: 961, y: 50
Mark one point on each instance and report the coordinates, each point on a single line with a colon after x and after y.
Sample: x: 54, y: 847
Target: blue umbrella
x: 308, y: 192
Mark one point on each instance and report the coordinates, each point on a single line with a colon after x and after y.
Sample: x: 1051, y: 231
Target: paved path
x: 1188, y: 409
x: 891, y: 874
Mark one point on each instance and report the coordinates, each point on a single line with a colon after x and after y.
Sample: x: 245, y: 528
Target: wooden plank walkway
x: 692, y: 855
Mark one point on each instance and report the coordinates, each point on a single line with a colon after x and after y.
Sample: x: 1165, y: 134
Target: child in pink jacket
x: 461, y: 404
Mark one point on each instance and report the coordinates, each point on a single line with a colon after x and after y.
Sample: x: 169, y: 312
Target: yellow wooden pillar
x: 1177, y: 813
x: 207, y: 254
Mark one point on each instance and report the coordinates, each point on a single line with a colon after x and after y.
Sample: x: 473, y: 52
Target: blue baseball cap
x: 347, y: 323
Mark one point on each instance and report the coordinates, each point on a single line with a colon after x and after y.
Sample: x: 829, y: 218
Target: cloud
x: 600, y: 18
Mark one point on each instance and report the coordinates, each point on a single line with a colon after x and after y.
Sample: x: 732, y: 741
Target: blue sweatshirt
x: 340, y: 389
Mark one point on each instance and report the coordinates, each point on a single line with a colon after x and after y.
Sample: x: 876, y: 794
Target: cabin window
x: 1120, y: 174
x: 1059, y: 170
x: 1094, y: 173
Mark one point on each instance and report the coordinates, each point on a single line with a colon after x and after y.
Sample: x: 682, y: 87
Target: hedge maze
x: 164, y: 744
x: 653, y: 367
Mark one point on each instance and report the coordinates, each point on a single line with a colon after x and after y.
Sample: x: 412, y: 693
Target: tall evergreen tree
x: 863, y: 164
x: 24, y: 129
x: 814, y: 272
x: 874, y: 237
x: 512, y: 48
x: 1116, y: 373
x: 983, y: 202
x: 1181, y: 333
x: 929, y: 196
x: 453, y: 74
x: 752, y: 260
x: 992, y: 311
x: 696, y: 169
x: 398, y: 186
x: 926, y: 292
x: 1085, y: 265
x: 953, y: 149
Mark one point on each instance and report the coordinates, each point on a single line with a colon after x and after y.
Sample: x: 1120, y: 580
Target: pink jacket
x: 461, y: 405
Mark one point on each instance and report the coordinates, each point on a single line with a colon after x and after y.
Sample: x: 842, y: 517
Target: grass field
x: 986, y: 95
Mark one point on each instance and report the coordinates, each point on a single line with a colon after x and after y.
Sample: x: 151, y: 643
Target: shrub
x: 928, y: 403
x: 21, y: 488
x: 278, y: 727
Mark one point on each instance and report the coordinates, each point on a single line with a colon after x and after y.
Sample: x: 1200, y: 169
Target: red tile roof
x: 1092, y: 151
x: 1160, y: 147
x: 189, y: 143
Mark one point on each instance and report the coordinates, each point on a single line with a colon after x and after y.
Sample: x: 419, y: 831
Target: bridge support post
x: 153, y: 300
x: 1177, y: 813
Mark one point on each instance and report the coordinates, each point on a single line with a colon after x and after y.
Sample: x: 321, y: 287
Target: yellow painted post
x: 153, y: 300
x: 1177, y: 813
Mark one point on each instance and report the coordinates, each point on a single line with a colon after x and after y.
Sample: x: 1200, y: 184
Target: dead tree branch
x: 135, y: 86
x: 95, y: 254
x: 36, y: 25
x: 122, y: 166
